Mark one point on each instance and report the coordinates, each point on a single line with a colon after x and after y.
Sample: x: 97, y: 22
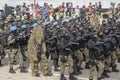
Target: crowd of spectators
x: 48, y: 13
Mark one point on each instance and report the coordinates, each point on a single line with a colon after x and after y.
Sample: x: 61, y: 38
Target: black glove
x: 39, y: 48
x: 62, y: 58
x: 92, y: 62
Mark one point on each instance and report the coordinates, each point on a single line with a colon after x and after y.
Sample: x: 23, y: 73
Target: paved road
x: 4, y: 75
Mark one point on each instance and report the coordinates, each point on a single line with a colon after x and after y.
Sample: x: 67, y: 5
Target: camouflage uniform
x: 66, y: 57
x: 22, y: 48
x: 7, y: 26
x: 86, y: 54
x: 113, y: 60
x: 1, y: 48
x: 69, y: 61
x: 7, y: 23
x: 36, y: 38
x: 107, y: 62
x: 11, y: 52
x: 95, y: 21
x: 83, y: 55
x: 80, y: 58
x: 118, y: 54
x: 100, y: 66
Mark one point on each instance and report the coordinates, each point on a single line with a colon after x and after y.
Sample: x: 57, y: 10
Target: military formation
x: 68, y: 42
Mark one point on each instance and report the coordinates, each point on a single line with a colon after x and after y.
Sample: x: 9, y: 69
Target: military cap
x: 23, y: 26
x: 34, y: 25
x: 46, y: 23
x: 55, y: 23
x: 63, y: 21
x: 13, y: 28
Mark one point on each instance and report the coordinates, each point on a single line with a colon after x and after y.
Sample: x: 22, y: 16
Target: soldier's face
x: 106, y: 31
x: 48, y: 29
x: 58, y: 26
x: 95, y: 36
x: 114, y: 28
x: 66, y: 34
x: 25, y: 17
x: 104, y: 22
x: 90, y: 27
x: 31, y: 18
x: 81, y: 29
x: 8, y: 19
x: 101, y: 33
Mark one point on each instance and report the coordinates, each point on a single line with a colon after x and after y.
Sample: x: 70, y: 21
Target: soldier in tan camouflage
x: 94, y: 19
x: 37, y: 50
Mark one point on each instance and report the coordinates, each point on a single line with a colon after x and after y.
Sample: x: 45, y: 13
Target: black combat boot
x: 76, y: 70
x: 99, y: 79
x: 12, y: 71
x: 108, y: 71
x: 62, y: 77
x: 87, y: 66
x: 72, y: 77
x: 23, y: 70
x: 105, y: 74
x: 48, y: 73
x: 56, y: 69
x: 37, y: 75
x: 119, y: 60
x: 56, y: 66
x: 102, y: 77
x: 79, y: 70
x: 57, y: 63
x: 114, y: 69
x: 1, y: 63
x: 15, y: 62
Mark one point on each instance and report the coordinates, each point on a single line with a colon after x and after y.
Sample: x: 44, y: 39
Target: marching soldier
x: 65, y: 56
x: 96, y: 57
x: 95, y: 20
x: 12, y: 51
